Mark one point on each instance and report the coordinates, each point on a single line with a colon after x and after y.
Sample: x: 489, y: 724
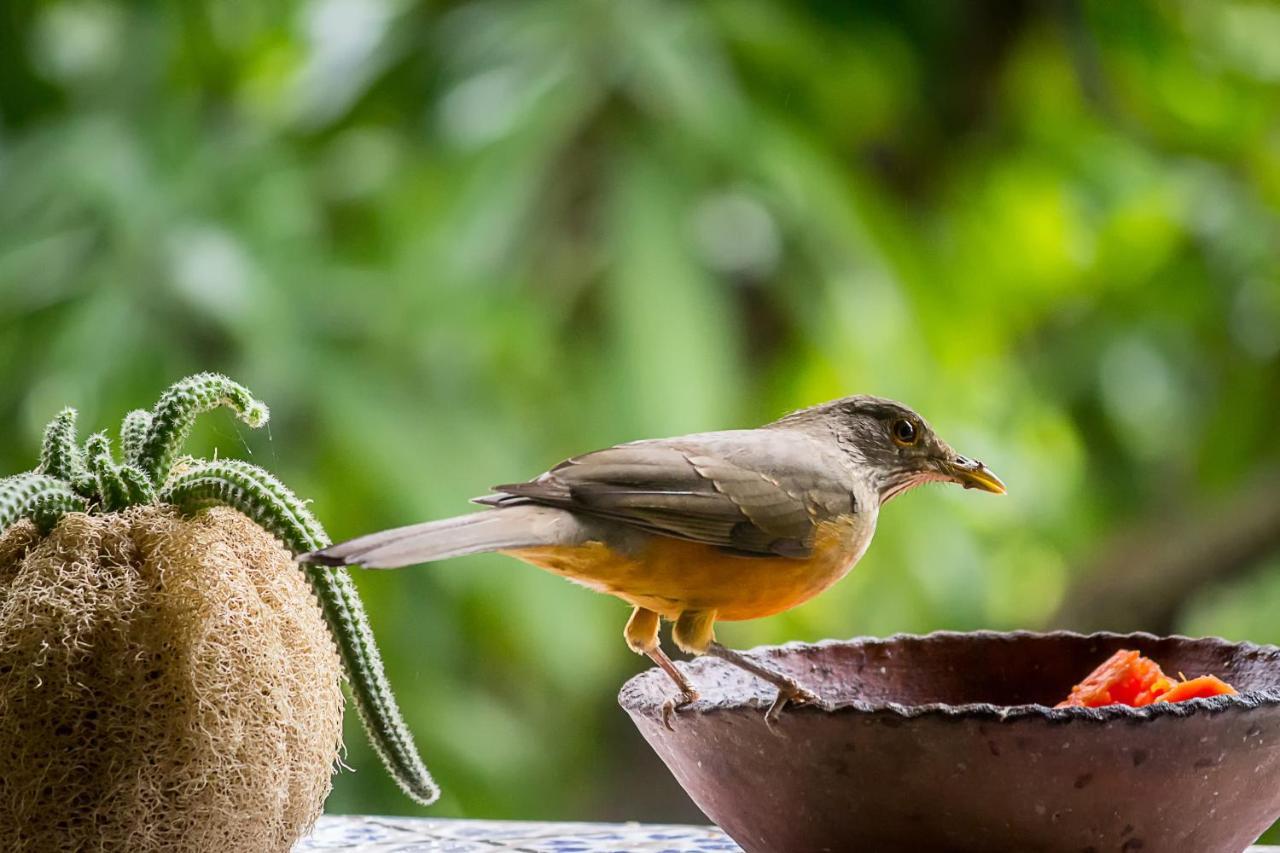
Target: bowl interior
x: 961, y: 669
x: 1012, y: 669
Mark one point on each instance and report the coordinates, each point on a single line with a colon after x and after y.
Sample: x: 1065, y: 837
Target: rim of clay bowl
x: 637, y: 695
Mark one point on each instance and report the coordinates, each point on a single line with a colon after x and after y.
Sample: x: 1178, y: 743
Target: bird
x: 702, y: 528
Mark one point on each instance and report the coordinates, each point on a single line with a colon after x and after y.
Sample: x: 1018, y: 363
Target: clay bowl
x: 946, y: 742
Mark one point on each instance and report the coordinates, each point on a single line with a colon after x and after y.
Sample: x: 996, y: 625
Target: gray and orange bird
x: 701, y: 528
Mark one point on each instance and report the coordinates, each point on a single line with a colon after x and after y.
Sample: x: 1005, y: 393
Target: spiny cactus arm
x: 137, y: 488
x: 42, y: 498
x: 268, y: 502
x: 60, y: 455
x: 370, y: 688
x: 112, y: 491
x: 250, y: 489
x: 176, y: 411
x: 261, y: 477
x: 133, y: 432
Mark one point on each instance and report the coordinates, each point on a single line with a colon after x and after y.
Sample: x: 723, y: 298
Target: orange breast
x: 671, y: 575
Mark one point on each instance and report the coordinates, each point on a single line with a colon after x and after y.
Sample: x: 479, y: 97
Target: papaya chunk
x: 1129, y: 678
x: 1125, y: 678
x: 1197, y: 688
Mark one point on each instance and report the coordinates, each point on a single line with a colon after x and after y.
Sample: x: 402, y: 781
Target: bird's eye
x: 905, y: 432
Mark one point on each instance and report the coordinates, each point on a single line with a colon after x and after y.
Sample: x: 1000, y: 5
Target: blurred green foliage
x: 452, y: 243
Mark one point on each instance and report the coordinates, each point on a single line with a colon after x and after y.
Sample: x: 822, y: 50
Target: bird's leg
x: 695, y: 632
x: 687, y: 692
x: 788, y: 689
x: 642, y: 636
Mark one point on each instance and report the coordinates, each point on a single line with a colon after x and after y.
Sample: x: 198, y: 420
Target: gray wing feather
x: 749, y: 492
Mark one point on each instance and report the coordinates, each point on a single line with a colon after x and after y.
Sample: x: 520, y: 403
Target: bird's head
x: 896, y: 446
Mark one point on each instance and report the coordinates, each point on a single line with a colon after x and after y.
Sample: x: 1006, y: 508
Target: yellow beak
x: 972, y: 474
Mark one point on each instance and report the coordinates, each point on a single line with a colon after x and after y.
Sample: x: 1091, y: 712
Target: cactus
x: 176, y: 411
x: 41, y: 498
x: 133, y: 434
x: 89, y: 479
x: 61, y: 457
x: 112, y: 494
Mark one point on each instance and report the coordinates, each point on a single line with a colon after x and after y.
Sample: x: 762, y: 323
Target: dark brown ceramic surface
x: 945, y: 743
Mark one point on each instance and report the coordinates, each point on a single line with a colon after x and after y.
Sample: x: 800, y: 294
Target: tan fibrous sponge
x: 167, y: 683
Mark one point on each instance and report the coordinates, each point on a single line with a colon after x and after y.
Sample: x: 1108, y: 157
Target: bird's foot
x: 674, y: 704
x: 788, y: 690
x: 789, y: 693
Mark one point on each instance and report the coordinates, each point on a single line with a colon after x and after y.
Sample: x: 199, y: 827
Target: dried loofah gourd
x: 169, y: 678
x: 166, y: 685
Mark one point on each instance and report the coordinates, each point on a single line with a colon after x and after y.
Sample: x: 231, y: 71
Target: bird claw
x: 792, y: 694
x: 671, y: 706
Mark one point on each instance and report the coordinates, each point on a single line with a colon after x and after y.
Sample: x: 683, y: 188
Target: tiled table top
x: 356, y: 834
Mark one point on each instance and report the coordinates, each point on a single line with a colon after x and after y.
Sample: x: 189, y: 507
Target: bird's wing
x: 751, y: 492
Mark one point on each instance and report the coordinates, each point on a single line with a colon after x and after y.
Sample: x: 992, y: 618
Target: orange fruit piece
x: 1125, y: 678
x: 1128, y: 678
x: 1197, y: 688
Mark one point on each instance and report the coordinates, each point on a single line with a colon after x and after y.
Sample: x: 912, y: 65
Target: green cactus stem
x: 176, y: 411
x: 137, y: 488
x: 71, y: 479
x: 113, y: 494
x: 61, y: 457
x: 40, y: 497
x: 133, y: 434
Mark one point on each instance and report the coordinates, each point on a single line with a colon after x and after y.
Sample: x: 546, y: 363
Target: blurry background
x: 452, y: 243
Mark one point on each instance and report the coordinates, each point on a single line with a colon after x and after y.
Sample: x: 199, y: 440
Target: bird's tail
x: 489, y: 530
